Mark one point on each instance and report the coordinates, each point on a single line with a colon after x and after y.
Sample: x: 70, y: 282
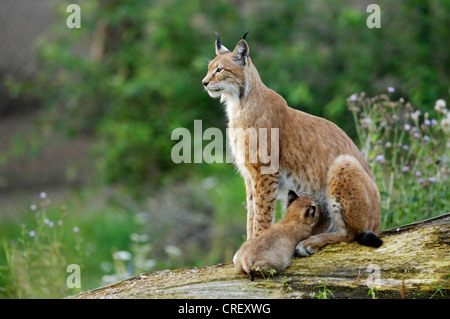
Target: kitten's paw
x: 235, y: 258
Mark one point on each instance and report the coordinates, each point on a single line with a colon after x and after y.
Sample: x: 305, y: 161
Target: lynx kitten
x: 274, y: 247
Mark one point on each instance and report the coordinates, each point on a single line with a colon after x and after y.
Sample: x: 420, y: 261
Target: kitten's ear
x: 241, y: 52
x: 291, y: 197
x: 220, y: 48
x: 311, y: 211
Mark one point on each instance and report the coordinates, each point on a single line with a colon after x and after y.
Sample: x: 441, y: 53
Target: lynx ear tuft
x: 245, y: 35
x: 220, y: 48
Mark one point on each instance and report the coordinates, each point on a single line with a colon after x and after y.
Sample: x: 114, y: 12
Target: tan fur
x: 274, y: 248
x: 315, y: 156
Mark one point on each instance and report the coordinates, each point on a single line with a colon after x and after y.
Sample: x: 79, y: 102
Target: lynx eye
x: 218, y: 70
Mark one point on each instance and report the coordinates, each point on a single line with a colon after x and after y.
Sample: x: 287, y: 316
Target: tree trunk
x: 413, y: 262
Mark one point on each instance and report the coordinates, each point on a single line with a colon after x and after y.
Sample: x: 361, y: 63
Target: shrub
x: 36, y: 260
x: 408, y: 153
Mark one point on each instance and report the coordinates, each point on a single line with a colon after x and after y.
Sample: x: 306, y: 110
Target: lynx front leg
x: 250, y: 207
x: 264, y: 196
x: 312, y: 244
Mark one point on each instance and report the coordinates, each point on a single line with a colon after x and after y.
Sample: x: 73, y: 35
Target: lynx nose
x: 205, y: 83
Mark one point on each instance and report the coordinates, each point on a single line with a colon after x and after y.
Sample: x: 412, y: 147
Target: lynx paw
x: 304, y: 249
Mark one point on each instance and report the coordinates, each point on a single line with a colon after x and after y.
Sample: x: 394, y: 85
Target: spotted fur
x: 316, y: 157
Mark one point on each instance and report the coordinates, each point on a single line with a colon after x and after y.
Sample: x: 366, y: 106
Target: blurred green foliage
x: 133, y: 72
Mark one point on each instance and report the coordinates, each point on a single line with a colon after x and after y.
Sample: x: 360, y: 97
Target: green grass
x: 38, y: 245
x: 324, y: 293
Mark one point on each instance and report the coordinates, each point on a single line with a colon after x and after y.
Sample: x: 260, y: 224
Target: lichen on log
x: 413, y: 262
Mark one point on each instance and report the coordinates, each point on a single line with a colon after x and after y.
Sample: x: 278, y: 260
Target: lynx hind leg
x: 353, y: 203
x: 349, y: 185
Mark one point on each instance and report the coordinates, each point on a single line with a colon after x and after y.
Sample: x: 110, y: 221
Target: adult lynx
x: 315, y: 156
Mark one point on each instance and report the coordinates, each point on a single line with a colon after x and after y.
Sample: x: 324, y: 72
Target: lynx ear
x: 241, y: 52
x: 291, y: 197
x: 220, y: 49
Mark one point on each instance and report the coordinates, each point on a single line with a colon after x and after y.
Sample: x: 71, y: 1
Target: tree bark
x: 413, y: 262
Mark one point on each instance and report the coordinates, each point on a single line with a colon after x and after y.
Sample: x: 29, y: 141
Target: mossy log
x: 413, y: 262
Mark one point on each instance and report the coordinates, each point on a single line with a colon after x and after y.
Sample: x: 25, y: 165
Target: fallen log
x: 413, y: 262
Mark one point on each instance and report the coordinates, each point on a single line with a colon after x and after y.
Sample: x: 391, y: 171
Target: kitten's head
x: 305, y: 207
